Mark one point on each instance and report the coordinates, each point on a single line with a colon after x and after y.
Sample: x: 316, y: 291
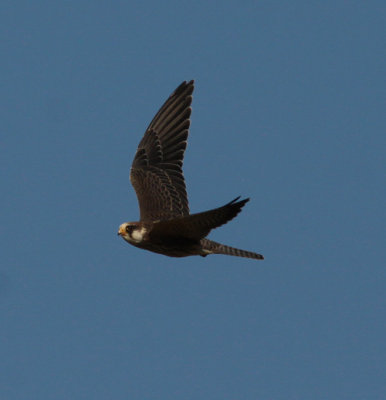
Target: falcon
x: 166, y: 225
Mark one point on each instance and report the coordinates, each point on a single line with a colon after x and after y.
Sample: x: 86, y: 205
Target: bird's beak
x: 121, y: 231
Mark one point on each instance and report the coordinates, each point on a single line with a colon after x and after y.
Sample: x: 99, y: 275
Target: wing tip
x: 241, y: 202
x: 189, y: 85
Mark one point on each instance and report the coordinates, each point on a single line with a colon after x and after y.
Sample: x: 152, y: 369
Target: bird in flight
x: 166, y: 226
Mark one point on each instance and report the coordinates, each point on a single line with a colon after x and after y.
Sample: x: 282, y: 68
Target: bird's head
x: 132, y: 232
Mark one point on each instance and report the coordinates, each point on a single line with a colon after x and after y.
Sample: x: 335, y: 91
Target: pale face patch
x: 138, y: 234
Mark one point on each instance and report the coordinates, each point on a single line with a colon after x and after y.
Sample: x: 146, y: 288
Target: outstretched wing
x: 156, y: 172
x: 197, y: 226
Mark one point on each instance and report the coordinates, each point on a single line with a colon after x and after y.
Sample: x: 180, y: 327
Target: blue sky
x: 288, y: 109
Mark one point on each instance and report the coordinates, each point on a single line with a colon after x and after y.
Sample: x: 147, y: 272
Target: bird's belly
x: 172, y: 246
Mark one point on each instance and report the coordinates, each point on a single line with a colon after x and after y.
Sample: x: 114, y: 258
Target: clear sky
x: 288, y: 109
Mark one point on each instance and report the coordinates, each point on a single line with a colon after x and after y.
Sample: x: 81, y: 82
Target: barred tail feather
x: 211, y: 247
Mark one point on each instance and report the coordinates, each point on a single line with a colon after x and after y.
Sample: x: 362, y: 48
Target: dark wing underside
x: 156, y: 172
x: 198, y: 226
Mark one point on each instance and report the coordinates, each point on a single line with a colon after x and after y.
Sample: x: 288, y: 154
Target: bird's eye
x: 129, y: 228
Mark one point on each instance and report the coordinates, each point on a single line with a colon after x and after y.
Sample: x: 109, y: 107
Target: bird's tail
x: 211, y: 247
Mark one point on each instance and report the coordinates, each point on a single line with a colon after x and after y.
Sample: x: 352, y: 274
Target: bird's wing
x: 156, y: 172
x: 198, y: 226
